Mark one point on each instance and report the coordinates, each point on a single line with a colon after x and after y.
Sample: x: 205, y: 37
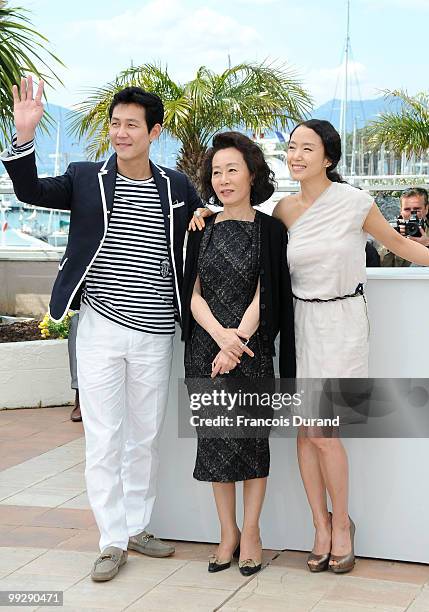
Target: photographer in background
x: 412, y: 222
x: 371, y: 255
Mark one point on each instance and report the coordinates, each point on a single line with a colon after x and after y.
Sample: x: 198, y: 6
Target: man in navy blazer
x: 123, y: 266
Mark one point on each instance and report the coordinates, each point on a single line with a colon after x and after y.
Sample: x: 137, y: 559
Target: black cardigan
x: 275, y: 301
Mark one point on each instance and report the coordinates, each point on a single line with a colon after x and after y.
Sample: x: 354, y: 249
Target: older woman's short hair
x: 263, y: 185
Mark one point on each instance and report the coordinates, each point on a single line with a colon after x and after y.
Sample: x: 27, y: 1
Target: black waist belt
x: 358, y: 291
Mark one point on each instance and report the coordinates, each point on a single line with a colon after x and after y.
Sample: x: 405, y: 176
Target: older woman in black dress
x: 237, y: 297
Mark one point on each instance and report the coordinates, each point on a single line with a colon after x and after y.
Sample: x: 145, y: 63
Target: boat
x: 58, y: 238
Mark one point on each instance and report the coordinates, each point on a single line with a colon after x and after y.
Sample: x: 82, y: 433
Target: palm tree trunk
x: 190, y: 161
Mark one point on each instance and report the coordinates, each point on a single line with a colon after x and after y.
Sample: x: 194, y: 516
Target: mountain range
x: 166, y: 149
x: 361, y: 111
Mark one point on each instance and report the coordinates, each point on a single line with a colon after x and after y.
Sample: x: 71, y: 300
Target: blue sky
x: 98, y: 38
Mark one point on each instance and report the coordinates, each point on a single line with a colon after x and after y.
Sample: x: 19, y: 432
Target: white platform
x: 34, y: 373
x: 389, y: 496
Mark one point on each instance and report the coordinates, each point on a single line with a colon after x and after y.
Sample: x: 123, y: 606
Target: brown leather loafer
x: 75, y: 413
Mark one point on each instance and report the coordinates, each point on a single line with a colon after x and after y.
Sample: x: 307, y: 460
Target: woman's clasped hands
x: 232, y: 343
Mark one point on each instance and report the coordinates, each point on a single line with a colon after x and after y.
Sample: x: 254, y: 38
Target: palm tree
x: 406, y: 130
x: 22, y: 50
x: 249, y: 96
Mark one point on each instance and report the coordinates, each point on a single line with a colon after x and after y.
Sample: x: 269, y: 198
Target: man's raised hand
x: 26, y: 111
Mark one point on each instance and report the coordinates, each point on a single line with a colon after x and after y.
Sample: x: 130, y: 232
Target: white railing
x: 374, y: 182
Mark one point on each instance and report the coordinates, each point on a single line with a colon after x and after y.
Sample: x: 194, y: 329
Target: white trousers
x: 123, y: 389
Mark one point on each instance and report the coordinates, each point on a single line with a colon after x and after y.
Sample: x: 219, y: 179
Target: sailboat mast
x: 57, y: 170
x: 57, y: 155
x: 353, y: 161
x: 343, y: 113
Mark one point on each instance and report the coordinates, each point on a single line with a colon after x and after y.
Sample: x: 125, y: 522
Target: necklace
x: 249, y: 216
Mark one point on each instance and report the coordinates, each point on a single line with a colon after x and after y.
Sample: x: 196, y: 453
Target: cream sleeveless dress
x: 326, y: 255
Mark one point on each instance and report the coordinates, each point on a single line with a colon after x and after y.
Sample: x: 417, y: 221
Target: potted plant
x: 34, y: 367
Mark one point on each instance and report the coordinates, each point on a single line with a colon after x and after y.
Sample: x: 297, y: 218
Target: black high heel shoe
x: 248, y: 567
x: 215, y: 565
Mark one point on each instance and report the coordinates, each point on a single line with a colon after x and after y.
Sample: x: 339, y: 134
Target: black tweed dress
x: 228, y: 268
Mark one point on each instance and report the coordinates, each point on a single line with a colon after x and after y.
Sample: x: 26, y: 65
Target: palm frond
x: 250, y: 96
x: 22, y: 50
x: 405, y: 130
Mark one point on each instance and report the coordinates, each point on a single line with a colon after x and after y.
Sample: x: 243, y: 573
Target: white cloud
x: 326, y: 83
x: 184, y: 34
x: 168, y: 31
x: 392, y: 4
x: 256, y: 2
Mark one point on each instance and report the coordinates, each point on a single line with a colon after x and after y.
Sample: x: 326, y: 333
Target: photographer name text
x: 243, y: 421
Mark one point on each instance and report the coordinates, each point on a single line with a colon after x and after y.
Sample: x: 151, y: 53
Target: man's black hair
x: 154, y: 108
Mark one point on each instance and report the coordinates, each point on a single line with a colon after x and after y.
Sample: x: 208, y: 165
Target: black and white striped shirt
x: 15, y: 149
x: 130, y: 281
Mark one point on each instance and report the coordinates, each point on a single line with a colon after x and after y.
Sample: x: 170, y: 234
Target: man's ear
x: 155, y: 132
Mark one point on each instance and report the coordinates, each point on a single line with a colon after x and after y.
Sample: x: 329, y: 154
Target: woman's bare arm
x: 250, y: 321
x: 376, y: 225
x: 228, y: 339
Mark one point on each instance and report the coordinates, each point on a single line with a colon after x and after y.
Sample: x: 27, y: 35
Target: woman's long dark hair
x: 331, y: 143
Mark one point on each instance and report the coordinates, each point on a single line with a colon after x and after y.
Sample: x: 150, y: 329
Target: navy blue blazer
x: 87, y: 190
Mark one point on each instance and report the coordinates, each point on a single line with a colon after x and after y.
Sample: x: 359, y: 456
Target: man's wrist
x: 23, y: 138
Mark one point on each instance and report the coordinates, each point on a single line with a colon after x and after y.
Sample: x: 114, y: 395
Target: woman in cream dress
x: 327, y: 259
x: 327, y: 222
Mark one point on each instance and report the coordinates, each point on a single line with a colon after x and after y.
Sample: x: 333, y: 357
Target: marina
x: 26, y: 226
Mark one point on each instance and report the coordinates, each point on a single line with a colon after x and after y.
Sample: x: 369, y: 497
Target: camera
x: 412, y: 225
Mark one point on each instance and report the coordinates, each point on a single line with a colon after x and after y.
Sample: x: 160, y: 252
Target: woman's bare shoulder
x: 284, y: 207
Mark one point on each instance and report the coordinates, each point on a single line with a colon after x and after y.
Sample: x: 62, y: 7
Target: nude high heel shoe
x: 345, y: 563
x: 321, y: 561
